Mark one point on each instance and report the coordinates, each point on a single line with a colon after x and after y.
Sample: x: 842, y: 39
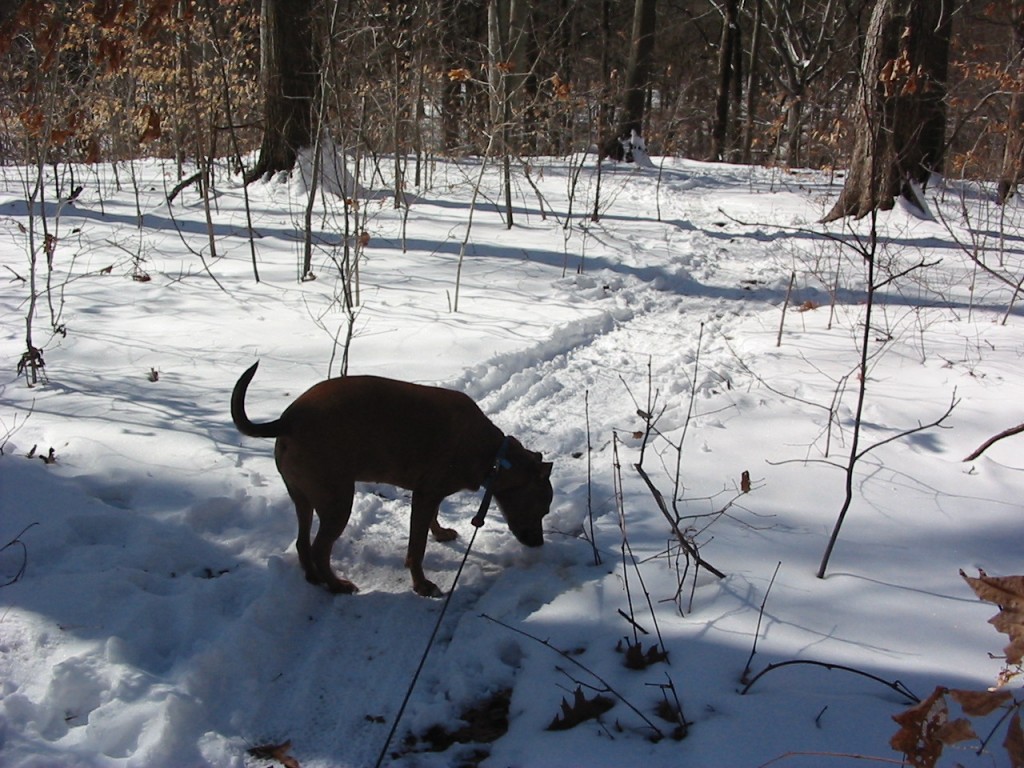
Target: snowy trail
x: 163, y: 620
x: 343, y: 663
x: 536, y: 393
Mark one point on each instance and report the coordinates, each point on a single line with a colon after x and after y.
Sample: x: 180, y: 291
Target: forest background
x: 750, y: 81
x: 885, y: 93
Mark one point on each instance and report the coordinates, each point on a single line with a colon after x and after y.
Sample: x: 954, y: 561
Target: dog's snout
x: 529, y: 538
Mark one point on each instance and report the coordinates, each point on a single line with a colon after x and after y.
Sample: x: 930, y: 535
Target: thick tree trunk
x: 901, y: 118
x: 289, y: 78
x: 454, y: 76
x: 1013, y: 154
x: 638, y: 77
x: 497, y: 66
x: 751, y: 106
x: 638, y: 71
x: 730, y: 37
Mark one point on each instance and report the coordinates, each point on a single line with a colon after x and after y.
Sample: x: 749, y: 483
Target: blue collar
x: 500, y: 463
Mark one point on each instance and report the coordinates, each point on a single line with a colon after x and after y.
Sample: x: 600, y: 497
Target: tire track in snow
x: 540, y: 394
x: 352, y: 659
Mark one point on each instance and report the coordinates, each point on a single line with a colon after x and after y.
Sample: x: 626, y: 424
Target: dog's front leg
x: 424, y: 516
x: 441, y: 533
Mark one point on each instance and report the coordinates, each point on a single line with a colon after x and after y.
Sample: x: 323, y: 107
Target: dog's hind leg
x: 304, y: 513
x: 334, y: 513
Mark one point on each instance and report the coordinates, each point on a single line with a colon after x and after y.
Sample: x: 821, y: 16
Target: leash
x: 500, y: 462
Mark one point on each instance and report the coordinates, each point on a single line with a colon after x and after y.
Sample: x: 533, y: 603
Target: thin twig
x: 837, y: 755
x: 895, y: 685
x: 685, y: 543
x: 757, y: 632
x: 994, y: 439
x: 657, y: 731
x: 590, y: 477
x: 16, y: 541
x: 627, y: 550
x: 785, y: 306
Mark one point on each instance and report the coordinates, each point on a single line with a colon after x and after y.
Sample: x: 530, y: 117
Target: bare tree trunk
x: 794, y: 127
x: 606, y: 109
x: 638, y: 75
x: 455, y: 74
x: 751, y: 106
x: 735, y: 132
x: 638, y: 72
x: 497, y: 21
x: 730, y: 30
x: 516, y: 80
x: 902, y: 114
x: 289, y: 80
x: 1013, y: 153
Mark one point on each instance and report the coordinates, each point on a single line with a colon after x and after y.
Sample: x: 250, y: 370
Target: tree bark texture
x: 638, y: 71
x: 638, y: 76
x: 752, y: 72
x: 289, y: 72
x: 729, y: 40
x: 453, y: 77
x: 1013, y: 153
x: 900, y: 123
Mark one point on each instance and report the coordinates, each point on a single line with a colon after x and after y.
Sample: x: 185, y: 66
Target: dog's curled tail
x: 242, y: 422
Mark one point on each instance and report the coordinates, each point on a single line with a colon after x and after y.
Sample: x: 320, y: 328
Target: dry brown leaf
x: 637, y: 658
x: 918, y: 737
x: 581, y: 710
x: 956, y: 731
x: 152, y: 129
x: 1004, y: 591
x: 1015, y: 652
x: 1014, y: 741
x: 1009, y: 622
x: 745, y: 482
x: 979, y: 703
x: 1008, y: 593
x: 278, y: 752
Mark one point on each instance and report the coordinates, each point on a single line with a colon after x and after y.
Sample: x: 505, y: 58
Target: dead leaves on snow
x: 581, y: 710
x: 926, y: 728
x: 277, y: 752
x: 1008, y: 593
x: 637, y: 658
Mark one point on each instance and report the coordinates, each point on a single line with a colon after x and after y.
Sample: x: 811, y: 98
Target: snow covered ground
x: 162, y: 620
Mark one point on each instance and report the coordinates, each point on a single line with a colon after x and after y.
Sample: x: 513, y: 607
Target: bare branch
x: 994, y: 439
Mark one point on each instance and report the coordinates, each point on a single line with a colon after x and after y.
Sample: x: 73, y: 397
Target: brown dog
x: 431, y: 441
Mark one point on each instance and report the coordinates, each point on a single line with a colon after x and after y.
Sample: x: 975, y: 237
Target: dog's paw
x: 427, y: 588
x: 445, y: 534
x: 338, y: 586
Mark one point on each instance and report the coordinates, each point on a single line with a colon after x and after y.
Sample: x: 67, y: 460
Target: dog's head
x: 523, y: 491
